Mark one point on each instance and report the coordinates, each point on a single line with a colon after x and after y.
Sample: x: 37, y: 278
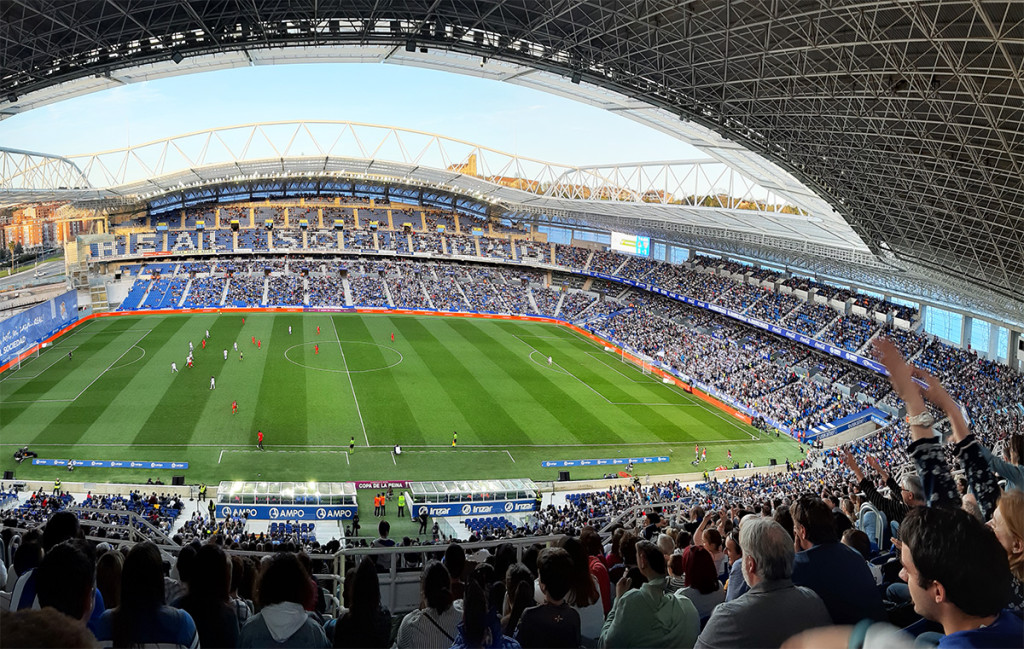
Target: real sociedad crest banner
x: 21, y: 331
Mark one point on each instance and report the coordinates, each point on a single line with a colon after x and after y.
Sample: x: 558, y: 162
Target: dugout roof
x: 906, y: 117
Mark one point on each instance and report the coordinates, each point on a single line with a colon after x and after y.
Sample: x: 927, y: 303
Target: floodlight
x: 177, y: 57
x: 577, y: 76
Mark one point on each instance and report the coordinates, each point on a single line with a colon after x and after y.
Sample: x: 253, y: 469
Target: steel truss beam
x: 907, y: 117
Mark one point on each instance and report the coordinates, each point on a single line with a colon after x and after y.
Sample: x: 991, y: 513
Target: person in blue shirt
x: 837, y: 573
x: 142, y: 618
x: 959, y: 577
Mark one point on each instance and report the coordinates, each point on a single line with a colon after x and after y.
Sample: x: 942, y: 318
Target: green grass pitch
x: 117, y: 399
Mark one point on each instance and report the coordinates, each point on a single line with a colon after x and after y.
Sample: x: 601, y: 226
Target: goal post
x: 25, y: 357
x: 643, y: 364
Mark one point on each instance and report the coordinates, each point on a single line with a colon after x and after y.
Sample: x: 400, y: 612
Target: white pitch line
x: 595, y: 390
x: 98, y: 376
x: 56, y: 345
x: 600, y: 358
x: 698, y: 401
x: 350, y: 383
x: 510, y: 456
x: 393, y: 458
x: 469, y: 448
x: 221, y: 456
x: 18, y: 377
x: 718, y: 413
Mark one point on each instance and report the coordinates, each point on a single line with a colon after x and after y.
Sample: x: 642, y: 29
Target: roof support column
x: 1012, y: 358
x: 993, y: 343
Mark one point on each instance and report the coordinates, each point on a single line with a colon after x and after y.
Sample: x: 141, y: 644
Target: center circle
x: 354, y: 364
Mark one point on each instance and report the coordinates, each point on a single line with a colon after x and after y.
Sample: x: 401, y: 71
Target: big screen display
x: 632, y: 244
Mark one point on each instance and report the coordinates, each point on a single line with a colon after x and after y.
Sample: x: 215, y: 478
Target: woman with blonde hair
x: 1008, y: 524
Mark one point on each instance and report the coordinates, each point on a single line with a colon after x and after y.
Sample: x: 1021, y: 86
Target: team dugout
x: 472, y: 497
x: 316, y: 501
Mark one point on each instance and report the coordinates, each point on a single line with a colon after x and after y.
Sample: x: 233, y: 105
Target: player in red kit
x: 392, y: 336
x: 316, y: 349
x: 254, y: 340
x: 318, y: 328
x: 259, y: 440
x: 234, y: 407
x: 204, y: 343
x: 259, y: 344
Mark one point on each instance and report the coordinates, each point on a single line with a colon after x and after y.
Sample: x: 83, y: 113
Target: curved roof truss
x: 907, y: 117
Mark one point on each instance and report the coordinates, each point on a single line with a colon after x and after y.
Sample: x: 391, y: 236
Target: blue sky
x: 489, y: 113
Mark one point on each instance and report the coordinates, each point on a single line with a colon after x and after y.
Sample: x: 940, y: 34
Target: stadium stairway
x: 582, y: 314
x: 751, y: 305
x: 145, y: 296
x: 387, y: 293
x: 532, y: 301
x: 827, y: 327
x: 590, y: 258
x: 184, y: 294
x: 789, y: 313
x: 465, y: 300
x: 348, y: 292
x: 266, y: 291
x: 426, y: 296
x: 224, y: 294
x: 619, y: 267
x: 862, y: 350
x: 561, y: 298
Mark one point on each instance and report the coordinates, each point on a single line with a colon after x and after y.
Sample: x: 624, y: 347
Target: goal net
x: 24, y: 359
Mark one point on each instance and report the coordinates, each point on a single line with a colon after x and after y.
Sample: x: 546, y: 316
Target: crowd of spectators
x: 407, y: 291
x: 741, y: 297
x: 286, y: 290
x: 245, y: 290
x: 546, y: 299
x: 811, y: 317
x: 850, y: 332
x: 575, y: 304
x: 571, y: 256
x: 760, y: 561
x: 367, y: 290
x: 326, y: 289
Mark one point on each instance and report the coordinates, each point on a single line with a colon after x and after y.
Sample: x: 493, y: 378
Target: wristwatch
x: 924, y: 419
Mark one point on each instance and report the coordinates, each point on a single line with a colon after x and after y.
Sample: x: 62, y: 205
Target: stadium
x: 775, y: 378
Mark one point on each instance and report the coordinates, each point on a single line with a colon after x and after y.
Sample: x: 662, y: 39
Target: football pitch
x: 315, y: 382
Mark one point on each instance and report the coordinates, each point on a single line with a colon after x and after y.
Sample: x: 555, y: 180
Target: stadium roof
x: 907, y: 118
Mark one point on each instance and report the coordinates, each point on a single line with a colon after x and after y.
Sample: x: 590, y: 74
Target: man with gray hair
x: 907, y: 493
x: 774, y: 608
